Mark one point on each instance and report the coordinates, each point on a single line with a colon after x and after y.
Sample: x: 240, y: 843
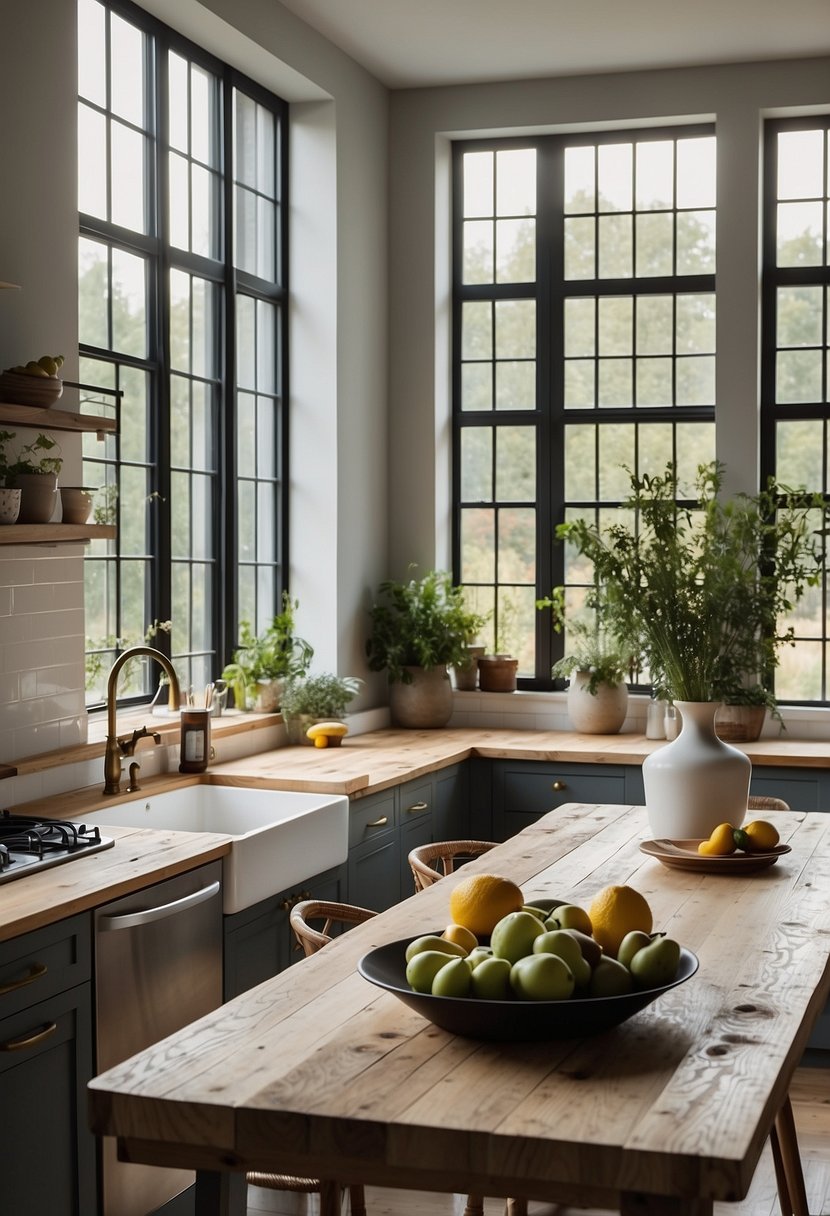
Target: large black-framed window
x: 583, y: 342
x: 183, y: 282
x: 795, y: 364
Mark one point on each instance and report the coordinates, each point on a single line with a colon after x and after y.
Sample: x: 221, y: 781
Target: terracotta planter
x: 740, y: 723
x: 497, y: 673
x: 466, y: 677
x: 425, y: 703
x: 596, y: 713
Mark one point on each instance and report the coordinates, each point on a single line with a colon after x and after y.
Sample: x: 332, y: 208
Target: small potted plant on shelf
x: 35, y: 473
x: 262, y: 663
x: 315, y: 698
x: 420, y: 628
x: 597, y: 664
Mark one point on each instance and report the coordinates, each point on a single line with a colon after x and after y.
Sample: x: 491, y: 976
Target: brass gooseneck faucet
x: 117, y: 748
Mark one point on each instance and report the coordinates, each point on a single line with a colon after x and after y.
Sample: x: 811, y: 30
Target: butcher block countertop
x: 665, y: 1113
x: 137, y: 859
x: 364, y: 764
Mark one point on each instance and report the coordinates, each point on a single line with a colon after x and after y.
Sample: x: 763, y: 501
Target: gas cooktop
x: 28, y: 845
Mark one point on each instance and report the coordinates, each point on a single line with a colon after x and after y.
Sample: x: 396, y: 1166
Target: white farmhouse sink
x: 279, y: 837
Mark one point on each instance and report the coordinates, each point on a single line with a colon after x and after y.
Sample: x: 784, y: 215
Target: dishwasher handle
x: 132, y: 920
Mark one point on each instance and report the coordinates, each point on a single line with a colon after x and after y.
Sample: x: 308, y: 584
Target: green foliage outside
x: 704, y: 587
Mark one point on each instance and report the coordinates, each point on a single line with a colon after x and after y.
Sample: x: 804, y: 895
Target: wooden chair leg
x: 475, y: 1205
x: 330, y: 1200
x: 515, y: 1207
x: 792, y: 1196
x: 357, y: 1201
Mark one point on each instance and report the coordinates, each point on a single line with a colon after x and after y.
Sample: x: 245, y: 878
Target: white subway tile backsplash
x: 16, y: 572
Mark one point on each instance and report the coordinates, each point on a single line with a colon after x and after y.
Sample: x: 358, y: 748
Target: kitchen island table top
x: 318, y: 1072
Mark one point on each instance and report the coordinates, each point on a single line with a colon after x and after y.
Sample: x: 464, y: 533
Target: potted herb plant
x: 262, y: 663
x: 315, y: 698
x: 35, y: 473
x: 597, y: 664
x: 419, y: 628
x: 703, y: 583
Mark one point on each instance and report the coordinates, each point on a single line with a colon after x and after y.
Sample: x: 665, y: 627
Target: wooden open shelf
x: 54, y: 419
x: 53, y: 534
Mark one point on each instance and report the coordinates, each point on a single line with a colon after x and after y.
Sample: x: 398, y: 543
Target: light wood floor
x: 810, y: 1095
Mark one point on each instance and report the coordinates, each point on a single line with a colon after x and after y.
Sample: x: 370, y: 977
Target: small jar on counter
x: 195, y: 741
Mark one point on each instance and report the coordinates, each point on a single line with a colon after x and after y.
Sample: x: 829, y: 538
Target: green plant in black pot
x: 263, y: 662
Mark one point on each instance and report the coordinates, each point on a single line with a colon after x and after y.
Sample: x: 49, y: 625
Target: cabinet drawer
x: 371, y: 817
x: 49, y: 960
x: 524, y: 792
x: 415, y: 800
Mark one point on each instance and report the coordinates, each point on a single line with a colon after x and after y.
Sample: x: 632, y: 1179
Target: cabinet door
x: 259, y: 941
x: 800, y: 788
x: 451, y: 804
x: 415, y: 816
x: 45, y: 1066
x: 523, y: 791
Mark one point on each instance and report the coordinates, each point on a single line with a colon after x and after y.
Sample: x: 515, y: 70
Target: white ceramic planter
x: 697, y: 781
x: 9, y: 505
x: 598, y: 713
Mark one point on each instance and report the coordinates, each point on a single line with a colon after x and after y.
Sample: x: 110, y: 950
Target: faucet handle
x: 127, y: 745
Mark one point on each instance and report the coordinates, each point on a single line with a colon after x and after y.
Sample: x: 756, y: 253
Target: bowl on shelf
x: 19, y: 389
x: 513, y: 1020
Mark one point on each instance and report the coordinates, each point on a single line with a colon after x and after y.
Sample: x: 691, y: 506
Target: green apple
x: 544, y: 904
x: 454, y: 979
x: 610, y: 978
x: 590, y: 947
x: 431, y: 941
x: 631, y: 944
x: 542, y: 977
x: 540, y: 912
x: 561, y: 943
x: 478, y: 955
x: 569, y: 916
x: 491, y: 980
x: 513, y: 936
x: 656, y: 964
x: 423, y: 967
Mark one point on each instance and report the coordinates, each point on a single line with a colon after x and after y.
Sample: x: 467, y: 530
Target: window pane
x: 127, y: 70
x: 696, y: 172
x: 129, y: 297
x: 516, y: 464
x: 92, y: 63
x: 478, y: 183
x: 479, y: 246
x: 127, y: 178
x: 580, y: 192
x: 516, y: 182
x: 93, y: 293
x: 477, y: 464
x: 655, y: 175
x: 615, y: 169
x: 800, y: 157
x: 92, y: 162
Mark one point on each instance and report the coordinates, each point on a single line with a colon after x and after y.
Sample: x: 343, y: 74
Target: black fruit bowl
x: 512, y: 1021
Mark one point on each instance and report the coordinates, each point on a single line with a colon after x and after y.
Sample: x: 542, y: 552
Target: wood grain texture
x: 318, y: 1071
x: 137, y: 859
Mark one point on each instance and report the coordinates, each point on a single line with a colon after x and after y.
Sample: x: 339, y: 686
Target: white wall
x: 338, y: 346
x: 422, y: 123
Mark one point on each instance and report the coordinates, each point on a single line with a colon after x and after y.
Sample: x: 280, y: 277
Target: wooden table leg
x: 221, y: 1194
x: 792, y: 1196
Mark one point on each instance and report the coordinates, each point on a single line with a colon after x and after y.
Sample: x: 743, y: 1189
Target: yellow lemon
x: 461, y: 936
x: 720, y: 844
x: 481, y: 900
x: 762, y: 836
x: 615, y: 911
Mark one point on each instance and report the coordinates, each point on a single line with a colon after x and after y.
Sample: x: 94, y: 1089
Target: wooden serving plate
x: 683, y: 855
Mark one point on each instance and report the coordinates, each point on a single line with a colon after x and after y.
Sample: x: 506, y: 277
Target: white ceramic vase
x: 697, y: 781
x: 596, y: 713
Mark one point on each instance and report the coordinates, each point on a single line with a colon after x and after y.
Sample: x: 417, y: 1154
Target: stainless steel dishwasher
x: 158, y: 967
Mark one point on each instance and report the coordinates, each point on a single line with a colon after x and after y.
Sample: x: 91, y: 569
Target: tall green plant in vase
x: 705, y: 584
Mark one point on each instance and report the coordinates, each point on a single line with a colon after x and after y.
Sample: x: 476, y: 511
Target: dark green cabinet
x: 524, y: 790
x: 259, y: 942
x: 45, y: 1065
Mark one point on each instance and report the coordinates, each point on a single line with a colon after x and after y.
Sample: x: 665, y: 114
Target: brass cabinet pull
x: 416, y: 807
x: 29, y: 1040
x: 378, y: 823
x: 285, y: 905
x: 559, y: 786
x: 36, y: 971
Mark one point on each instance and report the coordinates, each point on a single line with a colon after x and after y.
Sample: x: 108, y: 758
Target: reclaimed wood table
x: 318, y: 1072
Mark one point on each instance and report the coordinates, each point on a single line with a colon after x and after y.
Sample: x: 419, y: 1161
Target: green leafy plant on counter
x: 319, y: 696
x: 592, y: 640
x: 275, y: 654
